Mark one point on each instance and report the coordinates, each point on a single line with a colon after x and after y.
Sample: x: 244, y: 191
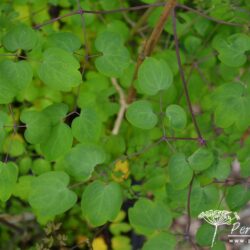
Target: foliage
x: 105, y: 147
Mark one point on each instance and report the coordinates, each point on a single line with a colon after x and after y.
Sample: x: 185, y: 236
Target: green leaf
x: 88, y: 126
x: 204, y: 235
x: 58, y: 143
x: 101, y: 202
x: 232, y: 49
x: 119, y: 228
x: 176, y: 116
x: 119, y: 27
x: 64, y: 40
x: 20, y: 36
x: 140, y: 114
x: 115, y: 58
x: 120, y: 242
x: 245, y: 167
x: 203, y: 199
x: 23, y: 187
x: 219, y: 169
x: 192, y: 43
x: 3, y: 119
x: 14, y: 78
x: 50, y: 196
x: 40, y: 166
x: 232, y: 106
x: 201, y: 159
x: 180, y: 173
x: 154, y: 75
x: 237, y: 196
x: 8, y: 179
x: 59, y: 70
x: 38, y: 126
x: 147, y: 217
x: 161, y: 241
x: 56, y: 112
x: 82, y: 159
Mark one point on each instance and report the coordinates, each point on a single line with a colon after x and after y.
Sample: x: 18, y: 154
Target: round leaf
x: 88, y: 126
x: 140, y: 114
x: 176, y: 116
x: 201, y: 159
x: 101, y: 202
x: 58, y: 143
x: 180, y: 173
x: 82, y: 160
x: 59, y: 70
x: 14, y: 78
x: 8, y: 179
x: 148, y: 216
x: 20, y: 37
x: 38, y: 126
x: 115, y: 58
x: 50, y: 196
x: 154, y: 75
x: 64, y: 40
x: 161, y: 241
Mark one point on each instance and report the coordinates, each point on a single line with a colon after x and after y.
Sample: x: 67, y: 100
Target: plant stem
x: 215, y: 232
x: 184, y: 83
x: 123, y: 106
x: 135, y: 8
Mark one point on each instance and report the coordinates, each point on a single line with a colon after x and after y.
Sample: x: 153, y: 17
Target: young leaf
x: 101, y: 202
x: 59, y: 70
x: 115, y: 58
x: 176, y: 116
x: 8, y: 179
x: 147, y: 217
x: 20, y: 36
x: 154, y: 75
x: 50, y: 196
x: 82, y: 160
x: 180, y: 173
x: 140, y: 114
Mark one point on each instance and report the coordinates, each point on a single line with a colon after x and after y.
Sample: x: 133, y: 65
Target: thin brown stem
x: 98, y: 12
x: 184, y: 83
x: 167, y: 138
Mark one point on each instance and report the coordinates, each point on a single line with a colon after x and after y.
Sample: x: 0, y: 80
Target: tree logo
x: 218, y: 218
